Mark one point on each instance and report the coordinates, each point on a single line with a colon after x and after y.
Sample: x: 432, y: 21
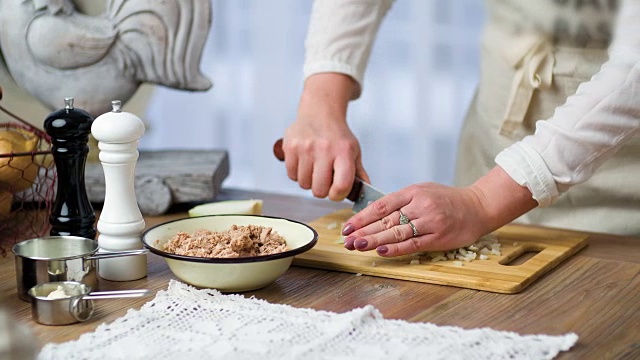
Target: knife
x: 362, y: 193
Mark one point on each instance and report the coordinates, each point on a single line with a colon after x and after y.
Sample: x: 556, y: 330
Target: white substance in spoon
x: 58, y: 293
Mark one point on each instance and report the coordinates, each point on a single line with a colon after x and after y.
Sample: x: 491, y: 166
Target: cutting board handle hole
x: 521, y: 256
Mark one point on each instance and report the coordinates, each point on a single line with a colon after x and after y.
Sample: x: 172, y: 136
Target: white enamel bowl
x: 230, y: 274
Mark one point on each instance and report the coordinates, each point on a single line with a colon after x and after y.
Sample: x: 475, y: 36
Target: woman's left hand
x: 437, y: 217
x: 443, y: 218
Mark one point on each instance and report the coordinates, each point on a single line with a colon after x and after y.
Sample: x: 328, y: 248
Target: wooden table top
x: 595, y: 293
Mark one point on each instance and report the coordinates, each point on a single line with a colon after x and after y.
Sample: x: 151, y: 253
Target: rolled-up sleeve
x: 590, y: 127
x: 341, y: 35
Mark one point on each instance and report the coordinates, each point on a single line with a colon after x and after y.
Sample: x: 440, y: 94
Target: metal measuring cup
x: 75, y: 305
x: 60, y: 258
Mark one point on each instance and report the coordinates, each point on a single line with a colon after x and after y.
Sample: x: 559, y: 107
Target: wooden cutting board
x: 500, y: 273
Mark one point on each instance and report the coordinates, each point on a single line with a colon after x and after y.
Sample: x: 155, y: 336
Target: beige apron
x: 525, y: 75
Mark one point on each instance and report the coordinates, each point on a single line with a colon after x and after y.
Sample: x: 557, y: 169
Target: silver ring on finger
x: 404, y: 220
x: 415, y: 231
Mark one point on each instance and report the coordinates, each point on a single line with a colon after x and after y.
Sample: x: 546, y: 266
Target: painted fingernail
x: 348, y: 242
x: 361, y: 244
x: 382, y: 250
x: 348, y: 229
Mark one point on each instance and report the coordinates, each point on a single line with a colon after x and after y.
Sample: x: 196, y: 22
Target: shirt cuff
x: 527, y: 168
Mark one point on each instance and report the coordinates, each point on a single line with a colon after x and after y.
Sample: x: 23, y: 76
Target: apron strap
x: 534, y: 70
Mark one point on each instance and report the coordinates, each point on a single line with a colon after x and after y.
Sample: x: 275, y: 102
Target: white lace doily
x: 186, y: 323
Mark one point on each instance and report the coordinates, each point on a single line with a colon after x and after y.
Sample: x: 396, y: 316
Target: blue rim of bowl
x: 246, y: 259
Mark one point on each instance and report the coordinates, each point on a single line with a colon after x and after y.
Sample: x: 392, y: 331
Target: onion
x: 481, y: 249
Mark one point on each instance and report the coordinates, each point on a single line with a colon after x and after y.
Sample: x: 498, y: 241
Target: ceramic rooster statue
x: 53, y: 51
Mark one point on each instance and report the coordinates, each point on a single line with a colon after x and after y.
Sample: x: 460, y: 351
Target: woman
x: 550, y: 138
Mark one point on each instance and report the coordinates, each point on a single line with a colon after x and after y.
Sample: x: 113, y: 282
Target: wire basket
x: 27, y: 181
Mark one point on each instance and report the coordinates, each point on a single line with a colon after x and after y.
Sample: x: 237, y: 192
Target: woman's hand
x: 321, y: 152
x: 443, y: 217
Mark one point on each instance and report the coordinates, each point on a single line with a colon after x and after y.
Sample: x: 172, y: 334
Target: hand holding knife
x: 362, y: 193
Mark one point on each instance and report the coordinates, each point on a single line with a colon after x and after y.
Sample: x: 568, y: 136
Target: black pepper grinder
x: 72, y: 213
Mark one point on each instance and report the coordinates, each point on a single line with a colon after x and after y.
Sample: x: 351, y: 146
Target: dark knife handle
x: 277, y: 150
x: 357, y: 184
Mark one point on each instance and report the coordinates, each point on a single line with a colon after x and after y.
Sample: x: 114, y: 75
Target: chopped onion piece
x: 481, y: 249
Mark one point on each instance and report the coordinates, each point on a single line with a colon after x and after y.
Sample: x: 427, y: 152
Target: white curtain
x: 420, y: 80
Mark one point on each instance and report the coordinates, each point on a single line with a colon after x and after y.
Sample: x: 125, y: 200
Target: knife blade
x: 361, y: 194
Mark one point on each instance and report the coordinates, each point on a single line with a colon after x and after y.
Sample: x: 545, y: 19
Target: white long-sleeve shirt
x: 565, y: 149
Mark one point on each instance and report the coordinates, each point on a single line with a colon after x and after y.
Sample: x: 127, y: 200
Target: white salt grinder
x: 121, y: 223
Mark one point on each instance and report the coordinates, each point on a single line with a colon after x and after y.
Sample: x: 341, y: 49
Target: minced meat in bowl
x: 238, y: 241
x: 226, y: 264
